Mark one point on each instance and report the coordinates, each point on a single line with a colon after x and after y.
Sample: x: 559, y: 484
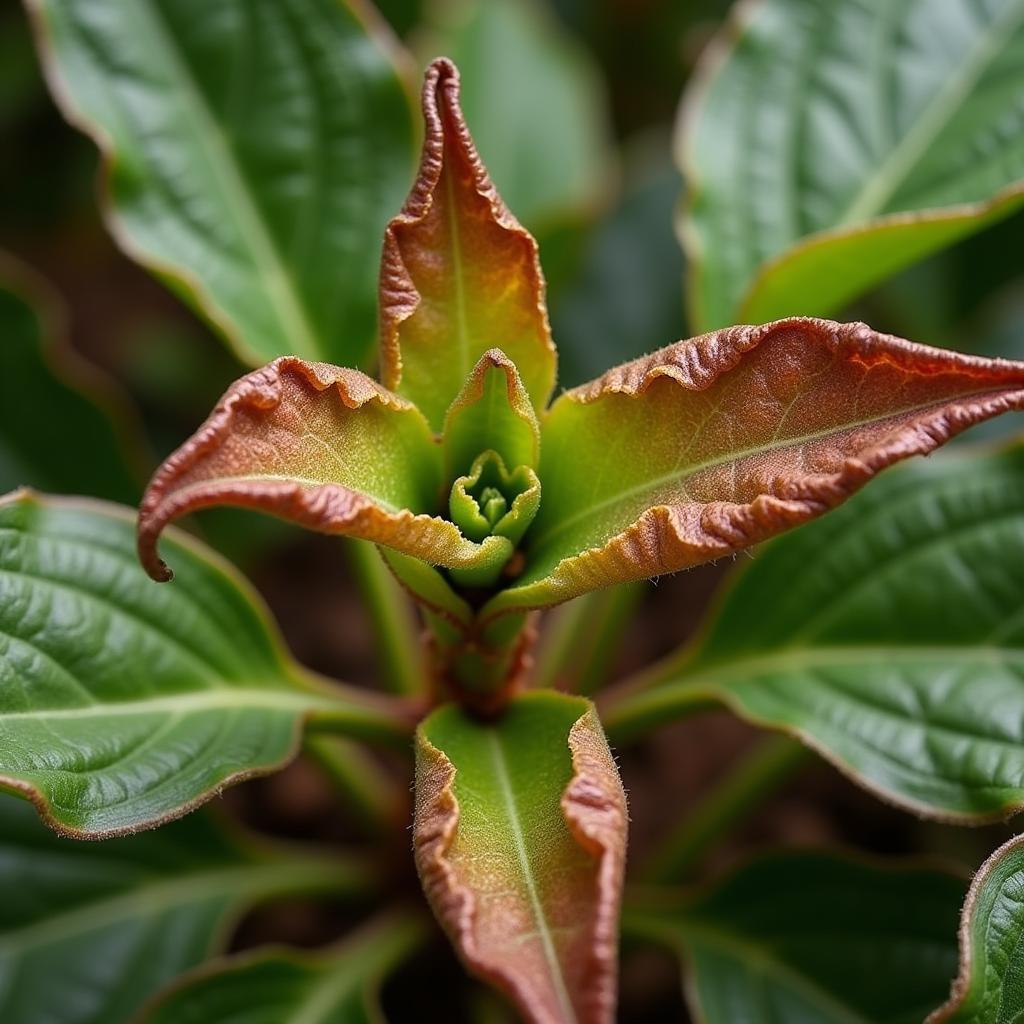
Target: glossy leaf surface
x: 534, y: 101
x: 990, y: 986
x: 716, y: 443
x: 60, y: 427
x: 336, y: 987
x: 812, y: 938
x: 459, y: 274
x: 520, y: 839
x: 124, y: 917
x: 124, y: 704
x: 325, y: 447
x: 255, y: 155
x: 831, y: 143
x: 887, y: 636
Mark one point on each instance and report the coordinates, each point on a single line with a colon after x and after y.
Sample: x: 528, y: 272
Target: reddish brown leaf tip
x: 453, y: 197
x: 262, y: 423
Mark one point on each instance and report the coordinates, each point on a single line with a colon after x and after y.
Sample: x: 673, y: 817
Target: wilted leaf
x: 122, y: 918
x: 990, y: 986
x: 716, y: 443
x: 334, y: 987
x: 520, y: 839
x: 829, y: 143
x: 124, y: 704
x: 60, y: 424
x: 321, y: 446
x: 811, y: 938
x: 888, y: 637
x: 255, y: 152
x: 459, y: 274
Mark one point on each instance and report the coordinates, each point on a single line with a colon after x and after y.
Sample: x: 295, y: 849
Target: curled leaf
x: 717, y: 443
x: 459, y: 274
x: 491, y: 499
x: 324, y: 447
x: 520, y: 840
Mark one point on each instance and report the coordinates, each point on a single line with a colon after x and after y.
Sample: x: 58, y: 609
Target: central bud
x: 492, y: 501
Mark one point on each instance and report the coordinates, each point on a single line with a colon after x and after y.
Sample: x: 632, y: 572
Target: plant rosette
x: 491, y: 501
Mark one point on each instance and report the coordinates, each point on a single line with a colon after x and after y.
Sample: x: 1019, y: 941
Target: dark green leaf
x: 255, y: 151
x: 812, y: 938
x: 124, y: 702
x: 337, y: 987
x: 60, y: 427
x: 88, y: 931
x: 889, y: 636
x: 832, y: 142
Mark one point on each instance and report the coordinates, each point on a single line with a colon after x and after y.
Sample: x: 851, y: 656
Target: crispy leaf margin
x: 594, y: 807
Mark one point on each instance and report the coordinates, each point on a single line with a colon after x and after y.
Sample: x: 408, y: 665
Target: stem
x: 394, y: 624
x: 763, y: 770
x: 584, y: 637
x: 375, y: 802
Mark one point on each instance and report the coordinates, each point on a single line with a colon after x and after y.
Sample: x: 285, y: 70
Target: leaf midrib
x: 683, y: 473
x: 458, y: 281
x: 872, y: 198
x: 298, y: 335
x: 185, y: 703
x: 536, y: 905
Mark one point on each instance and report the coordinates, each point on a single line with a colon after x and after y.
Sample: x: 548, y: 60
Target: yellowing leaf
x: 520, y: 840
x: 459, y: 274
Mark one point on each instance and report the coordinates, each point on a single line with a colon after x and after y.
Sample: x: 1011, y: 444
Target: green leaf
x: 811, y: 938
x: 124, y: 703
x: 990, y: 986
x: 120, y: 919
x: 519, y: 837
x: 888, y: 636
x: 492, y: 412
x: 336, y: 987
x: 61, y: 426
x: 254, y: 155
x: 829, y: 143
x: 534, y: 101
